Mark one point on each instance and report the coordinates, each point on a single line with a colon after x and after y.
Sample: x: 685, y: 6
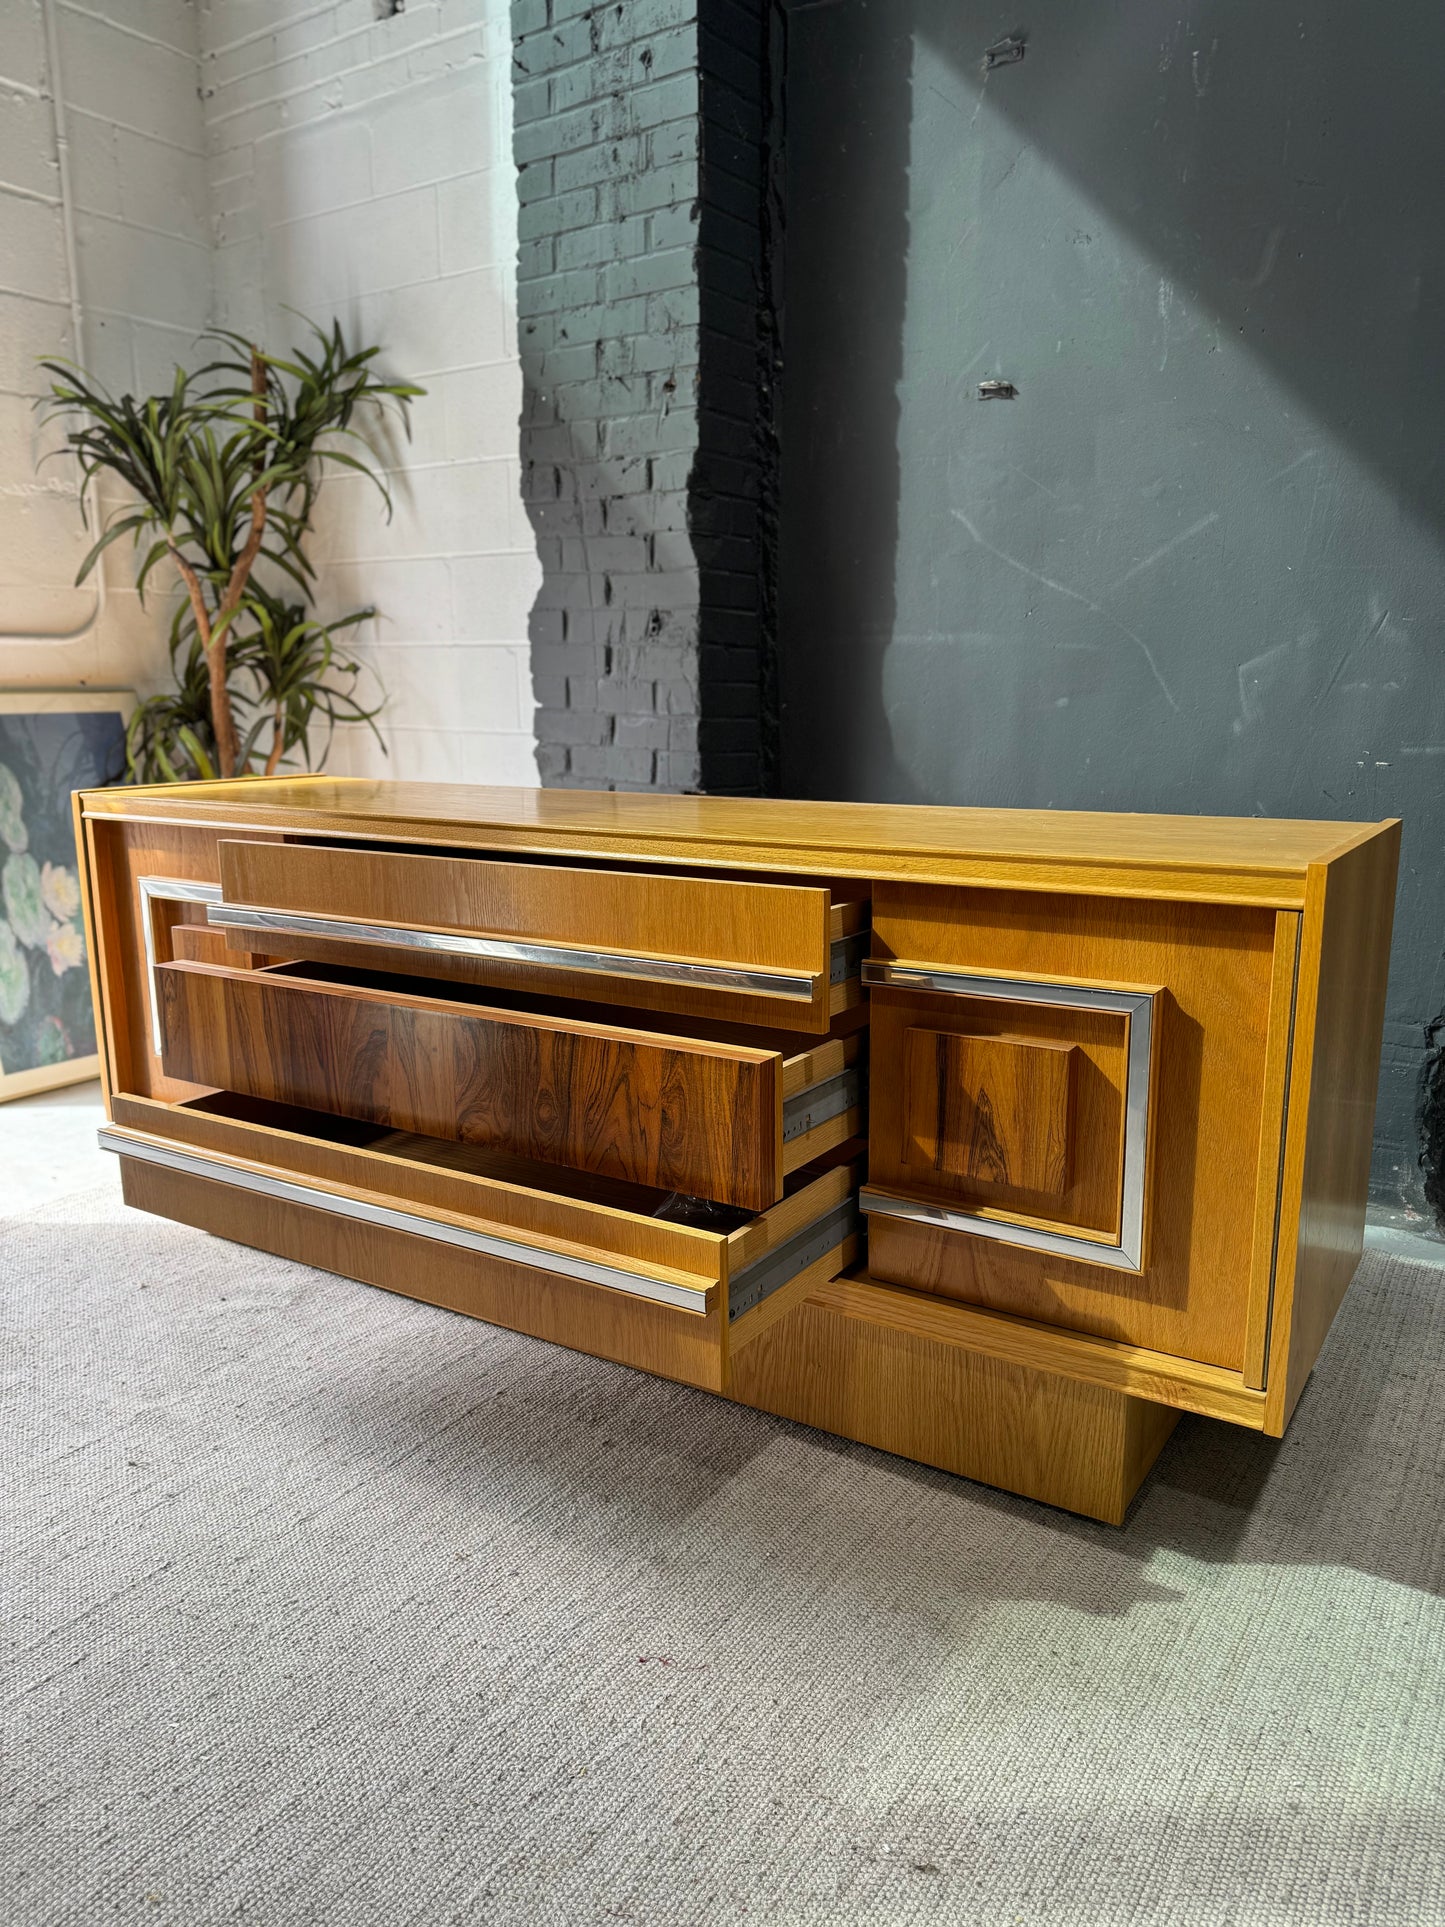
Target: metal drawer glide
x: 820, y: 1102
x: 780, y: 1266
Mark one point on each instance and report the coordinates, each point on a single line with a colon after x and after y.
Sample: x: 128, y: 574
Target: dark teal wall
x: 1197, y: 564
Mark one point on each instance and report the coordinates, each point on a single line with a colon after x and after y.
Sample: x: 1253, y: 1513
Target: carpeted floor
x: 324, y: 1606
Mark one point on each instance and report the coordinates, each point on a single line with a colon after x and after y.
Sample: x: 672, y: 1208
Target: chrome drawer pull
x: 1138, y: 1007
x: 155, y: 890
x: 794, y: 984
x: 203, y: 1164
x: 885, y: 1204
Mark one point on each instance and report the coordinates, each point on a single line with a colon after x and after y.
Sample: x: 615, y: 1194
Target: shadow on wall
x: 1198, y: 564
x: 846, y: 102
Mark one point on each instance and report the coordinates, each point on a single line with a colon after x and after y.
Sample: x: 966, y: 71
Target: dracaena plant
x: 221, y: 477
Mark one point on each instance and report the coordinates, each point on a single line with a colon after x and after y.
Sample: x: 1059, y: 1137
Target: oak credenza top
x: 1209, y: 858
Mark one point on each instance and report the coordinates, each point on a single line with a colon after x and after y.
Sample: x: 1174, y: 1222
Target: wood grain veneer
x: 699, y: 919
x: 1064, y: 1117
x: 840, y: 1365
x: 1216, y: 963
x: 668, y: 1111
x: 1201, y: 858
x: 994, y: 1111
x: 1339, y: 1021
x: 1264, y: 946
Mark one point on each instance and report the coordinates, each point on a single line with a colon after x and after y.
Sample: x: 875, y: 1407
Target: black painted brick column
x: 645, y: 446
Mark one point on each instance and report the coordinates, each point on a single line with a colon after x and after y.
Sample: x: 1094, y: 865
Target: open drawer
x: 786, y: 954
x: 622, y: 1270
x: 713, y: 1110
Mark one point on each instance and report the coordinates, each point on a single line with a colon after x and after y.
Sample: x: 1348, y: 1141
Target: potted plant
x: 224, y: 472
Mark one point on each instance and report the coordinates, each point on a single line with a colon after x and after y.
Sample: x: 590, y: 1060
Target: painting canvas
x: 50, y: 744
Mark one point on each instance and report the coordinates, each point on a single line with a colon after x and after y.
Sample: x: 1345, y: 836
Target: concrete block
x: 412, y: 597
x: 29, y: 329
x: 476, y: 216
x: 431, y: 133
x: 27, y: 141
x: 498, y: 756
x: 427, y: 328
x: 143, y: 273
x: 22, y: 35
x: 138, y: 83
x: 32, y: 248
x: 478, y: 410
x: 422, y: 756
x: 314, y: 169
x: 491, y: 595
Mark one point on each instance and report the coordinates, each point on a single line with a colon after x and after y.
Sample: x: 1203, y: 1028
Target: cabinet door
x: 1072, y: 1117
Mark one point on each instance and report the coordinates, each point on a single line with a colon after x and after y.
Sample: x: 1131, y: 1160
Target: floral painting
x: 49, y: 746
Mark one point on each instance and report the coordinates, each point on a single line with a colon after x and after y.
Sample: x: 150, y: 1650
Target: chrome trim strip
x: 1138, y: 1007
x: 781, y: 1265
x: 797, y: 985
x: 820, y: 1102
x: 884, y: 1204
x: 155, y: 890
x: 202, y: 1164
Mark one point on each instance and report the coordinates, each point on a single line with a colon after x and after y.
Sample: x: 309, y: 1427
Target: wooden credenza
x: 994, y: 1138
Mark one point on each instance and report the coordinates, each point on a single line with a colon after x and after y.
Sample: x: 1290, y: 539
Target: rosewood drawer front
x: 1018, y: 1110
x: 786, y: 954
x: 725, y: 1120
x: 625, y: 1270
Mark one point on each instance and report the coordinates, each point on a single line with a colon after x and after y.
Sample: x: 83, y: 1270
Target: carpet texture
x: 324, y: 1606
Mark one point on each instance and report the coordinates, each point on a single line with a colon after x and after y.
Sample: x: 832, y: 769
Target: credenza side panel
x: 1345, y: 960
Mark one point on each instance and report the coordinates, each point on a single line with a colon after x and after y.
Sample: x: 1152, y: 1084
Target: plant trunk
x: 216, y: 646
x: 222, y: 722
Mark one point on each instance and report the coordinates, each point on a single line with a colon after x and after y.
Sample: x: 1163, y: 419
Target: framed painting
x: 51, y: 742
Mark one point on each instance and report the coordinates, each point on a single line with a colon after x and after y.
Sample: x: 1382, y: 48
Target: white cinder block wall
x: 362, y: 167
x: 129, y: 71
x: 230, y: 160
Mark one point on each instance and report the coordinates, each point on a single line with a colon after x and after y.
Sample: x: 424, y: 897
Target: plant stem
x: 273, y: 761
x: 216, y: 646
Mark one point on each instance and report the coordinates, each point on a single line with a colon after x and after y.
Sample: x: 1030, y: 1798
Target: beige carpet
x: 324, y: 1606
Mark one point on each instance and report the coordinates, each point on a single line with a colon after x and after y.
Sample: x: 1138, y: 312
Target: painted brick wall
x: 733, y: 486
x: 640, y: 180
x: 129, y: 75
x: 361, y: 167
x: 607, y: 150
